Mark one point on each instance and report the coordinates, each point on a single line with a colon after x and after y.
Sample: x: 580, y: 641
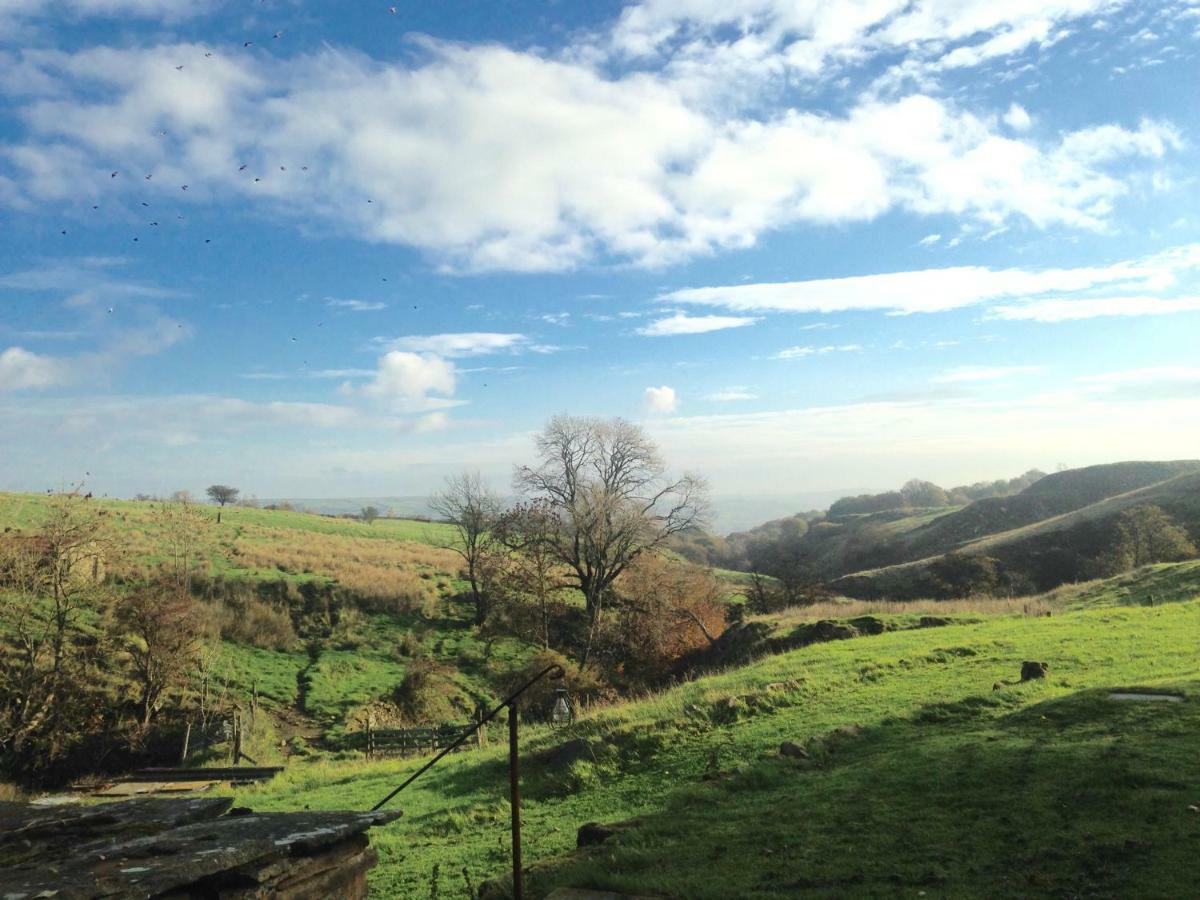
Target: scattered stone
x: 1194, y: 807
x: 1031, y: 670
x: 792, y: 749
x: 869, y: 625
x: 826, y: 630
x: 592, y: 834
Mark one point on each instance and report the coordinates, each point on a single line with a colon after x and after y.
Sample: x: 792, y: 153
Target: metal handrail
x: 555, y: 671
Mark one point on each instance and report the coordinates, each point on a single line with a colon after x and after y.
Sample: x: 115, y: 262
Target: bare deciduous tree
x: 607, y: 486
x: 162, y: 630
x: 49, y: 578
x: 185, y: 531
x: 528, y: 568
x: 472, y: 508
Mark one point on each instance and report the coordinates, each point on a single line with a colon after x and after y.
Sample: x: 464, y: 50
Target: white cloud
x: 154, y: 9
x: 963, y: 374
x: 799, y: 352
x: 356, y: 305
x: 1065, y: 310
x: 488, y: 158
x: 408, y: 381
x: 929, y: 240
x: 21, y: 370
x: 684, y: 324
x: 731, y: 395
x: 660, y: 401
x: 937, y: 290
x: 460, y: 344
x: 1017, y: 118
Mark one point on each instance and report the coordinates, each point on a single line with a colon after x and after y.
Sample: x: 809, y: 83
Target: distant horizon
x: 731, y: 511
x: 340, y: 251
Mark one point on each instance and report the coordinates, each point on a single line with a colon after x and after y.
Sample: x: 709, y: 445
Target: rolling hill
x: 1019, y: 528
x: 915, y: 763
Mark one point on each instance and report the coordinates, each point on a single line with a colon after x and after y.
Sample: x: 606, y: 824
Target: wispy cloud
x: 799, y: 352
x: 356, y: 305
x: 462, y: 344
x: 731, y: 395
x: 964, y: 374
x: 1068, y: 310
x: 938, y: 290
x: 684, y: 324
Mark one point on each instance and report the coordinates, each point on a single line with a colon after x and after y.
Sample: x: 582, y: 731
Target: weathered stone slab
x: 76, y: 823
x: 141, y: 788
x: 184, y: 848
x: 588, y: 894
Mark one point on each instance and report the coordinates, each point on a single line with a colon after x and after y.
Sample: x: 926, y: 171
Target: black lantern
x: 563, y: 712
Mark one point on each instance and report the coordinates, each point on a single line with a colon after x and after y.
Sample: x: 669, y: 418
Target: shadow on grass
x: 1073, y: 796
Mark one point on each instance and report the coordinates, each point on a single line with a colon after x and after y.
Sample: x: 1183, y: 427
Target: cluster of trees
x: 595, y: 507
x: 86, y: 667
x: 918, y: 494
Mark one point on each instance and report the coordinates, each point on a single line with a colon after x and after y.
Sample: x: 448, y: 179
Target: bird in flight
x: 114, y: 174
x: 248, y: 44
x: 179, y: 68
x: 242, y: 168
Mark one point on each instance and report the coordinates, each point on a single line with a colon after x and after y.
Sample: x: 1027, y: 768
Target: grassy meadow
x: 929, y: 770
x: 921, y: 765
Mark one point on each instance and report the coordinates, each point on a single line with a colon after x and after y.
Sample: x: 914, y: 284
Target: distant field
x: 920, y: 775
x: 29, y: 510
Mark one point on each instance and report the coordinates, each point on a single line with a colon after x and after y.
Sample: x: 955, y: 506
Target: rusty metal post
x: 514, y: 780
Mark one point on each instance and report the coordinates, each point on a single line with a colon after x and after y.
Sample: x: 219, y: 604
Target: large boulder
x: 1031, y: 669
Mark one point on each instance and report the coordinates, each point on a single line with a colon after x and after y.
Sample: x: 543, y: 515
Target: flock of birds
x: 149, y: 176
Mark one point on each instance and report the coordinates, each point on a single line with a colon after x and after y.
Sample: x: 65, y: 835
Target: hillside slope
x: 927, y: 768
x: 1051, y: 497
x: 1179, y: 496
x: 318, y: 617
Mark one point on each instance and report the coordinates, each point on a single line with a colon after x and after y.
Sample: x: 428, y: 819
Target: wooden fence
x: 409, y: 741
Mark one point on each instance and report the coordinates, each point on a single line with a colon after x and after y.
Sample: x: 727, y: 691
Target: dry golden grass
x: 841, y: 609
x: 391, y: 572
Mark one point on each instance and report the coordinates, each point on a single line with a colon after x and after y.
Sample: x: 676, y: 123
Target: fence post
x: 187, y: 736
x: 371, y: 734
x: 481, y: 734
x: 237, y: 737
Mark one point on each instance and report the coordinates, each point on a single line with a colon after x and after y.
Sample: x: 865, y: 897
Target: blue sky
x: 336, y: 250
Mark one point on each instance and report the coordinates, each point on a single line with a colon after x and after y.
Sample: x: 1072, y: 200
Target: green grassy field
x: 920, y: 775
